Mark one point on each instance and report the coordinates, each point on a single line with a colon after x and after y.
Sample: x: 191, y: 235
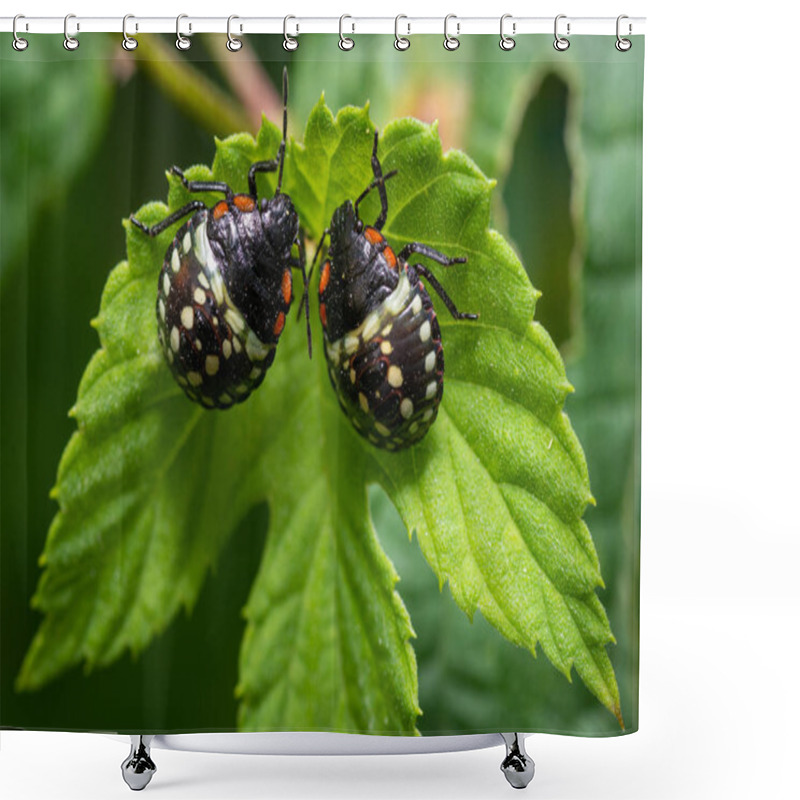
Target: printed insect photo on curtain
x: 340, y: 427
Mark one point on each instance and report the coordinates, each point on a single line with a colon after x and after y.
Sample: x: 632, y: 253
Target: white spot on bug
x: 382, y: 429
x: 427, y: 415
x: 195, y: 378
x: 351, y: 343
x: 363, y: 402
x: 215, y: 321
x: 356, y: 423
x: 198, y: 345
x: 166, y: 284
x: 386, y: 347
x: 430, y: 361
x: 226, y: 349
x: 235, y: 320
x: 237, y: 345
x: 397, y: 300
x: 199, y: 296
x: 255, y: 373
x: 217, y: 287
x: 395, y: 376
x: 182, y: 381
x: 371, y: 325
x: 162, y: 310
x: 374, y: 439
x: 242, y: 388
x: 425, y: 331
x: 170, y: 356
x: 203, y: 252
x: 176, y: 260
x: 187, y: 242
x: 416, y: 304
x: 175, y: 338
x: 431, y: 390
x: 352, y: 375
x: 212, y: 365
x: 406, y: 408
x: 256, y: 349
x: 413, y: 427
x: 225, y: 398
x: 187, y: 317
x: 387, y: 330
x: 207, y: 401
x: 202, y: 280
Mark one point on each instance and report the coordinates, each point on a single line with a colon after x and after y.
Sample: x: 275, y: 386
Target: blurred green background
x: 86, y: 137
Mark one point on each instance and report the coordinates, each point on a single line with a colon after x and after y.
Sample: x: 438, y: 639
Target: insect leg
x: 379, y: 182
x: 204, y: 186
x: 300, y: 263
x: 434, y: 255
x: 260, y: 166
x: 451, y: 306
x: 155, y: 230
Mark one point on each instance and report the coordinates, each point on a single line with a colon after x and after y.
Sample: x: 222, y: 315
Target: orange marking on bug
x: 286, y: 286
x: 244, y: 202
x: 220, y: 209
x: 323, y: 315
x: 373, y: 236
x: 389, y: 255
x: 325, y: 276
x: 279, y: 323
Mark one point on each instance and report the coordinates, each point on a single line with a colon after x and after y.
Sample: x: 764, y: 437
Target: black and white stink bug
x: 226, y: 285
x: 382, y: 340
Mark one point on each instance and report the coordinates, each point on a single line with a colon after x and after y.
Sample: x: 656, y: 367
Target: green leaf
x: 151, y: 486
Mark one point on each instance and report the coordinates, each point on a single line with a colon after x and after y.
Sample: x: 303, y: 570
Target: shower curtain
x: 431, y: 524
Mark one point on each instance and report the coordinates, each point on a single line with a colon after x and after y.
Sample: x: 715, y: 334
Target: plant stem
x: 189, y: 89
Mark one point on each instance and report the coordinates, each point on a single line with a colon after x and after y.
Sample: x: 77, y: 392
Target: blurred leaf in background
x: 51, y: 122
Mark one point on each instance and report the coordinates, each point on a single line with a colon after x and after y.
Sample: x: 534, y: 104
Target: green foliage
x: 35, y: 101
x: 150, y: 486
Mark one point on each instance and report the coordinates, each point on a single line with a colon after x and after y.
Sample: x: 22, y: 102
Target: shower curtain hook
x: 506, y: 42
x: 70, y: 42
x: 182, y: 42
x: 128, y: 42
x: 289, y: 43
x: 19, y: 44
x: 345, y: 42
x: 560, y: 44
x: 233, y: 44
x: 451, y: 42
x: 400, y: 42
x: 623, y: 45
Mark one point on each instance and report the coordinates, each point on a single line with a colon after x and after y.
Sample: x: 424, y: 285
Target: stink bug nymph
x: 382, y: 339
x: 225, y: 287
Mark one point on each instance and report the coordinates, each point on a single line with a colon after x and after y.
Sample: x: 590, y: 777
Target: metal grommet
x: 560, y: 43
x: 506, y: 42
x: 128, y: 42
x: 70, y: 42
x: 623, y: 45
x: 233, y: 44
x: 19, y: 44
x: 451, y: 42
x: 181, y: 41
x: 400, y: 42
x: 289, y: 43
x: 345, y: 42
